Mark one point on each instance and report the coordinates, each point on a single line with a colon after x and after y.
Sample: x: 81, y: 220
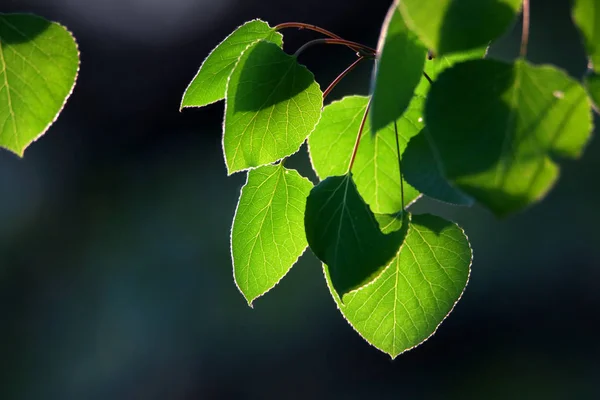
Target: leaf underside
x: 39, y: 61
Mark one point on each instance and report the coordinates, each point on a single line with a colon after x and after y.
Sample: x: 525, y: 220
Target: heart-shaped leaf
x: 273, y: 104
x: 267, y: 236
x: 450, y: 26
x: 400, y: 54
x: 210, y: 83
x: 376, y: 165
x: 39, y: 61
x: 343, y: 233
x: 519, y: 118
x: 406, y: 304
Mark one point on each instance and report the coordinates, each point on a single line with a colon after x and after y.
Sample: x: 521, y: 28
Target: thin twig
x: 428, y: 78
x: 341, y: 76
x: 360, y: 131
x: 399, y: 165
x: 363, y: 51
x: 301, y: 25
x: 525, y: 32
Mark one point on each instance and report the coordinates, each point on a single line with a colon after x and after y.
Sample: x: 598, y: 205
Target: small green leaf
x: 423, y: 170
x: 497, y: 136
x: 343, y: 233
x: 450, y: 26
x: 586, y: 14
x: 406, y: 304
x: 267, y: 236
x: 397, y: 71
x: 273, y: 104
x: 210, y: 83
x: 39, y: 61
x: 592, y: 84
x: 376, y: 165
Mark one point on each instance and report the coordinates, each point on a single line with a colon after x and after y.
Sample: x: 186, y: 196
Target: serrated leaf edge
x: 393, y: 357
x: 251, y: 301
x: 181, y: 106
x: 43, y: 132
x: 229, y: 172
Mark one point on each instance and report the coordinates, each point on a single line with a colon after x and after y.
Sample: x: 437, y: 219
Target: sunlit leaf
x: 273, y: 104
x: 450, y: 26
x: 210, y: 83
x: 375, y: 168
x: 39, y: 61
x: 267, y: 236
x: 592, y: 84
x: 423, y: 170
x: 406, y: 304
x: 397, y: 71
x: 586, y: 14
x: 498, y: 127
x: 343, y: 233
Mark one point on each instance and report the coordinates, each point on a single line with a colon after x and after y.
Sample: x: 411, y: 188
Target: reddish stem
x: 360, y: 132
x: 363, y: 51
x: 341, y: 76
x: 301, y: 25
x: 525, y: 32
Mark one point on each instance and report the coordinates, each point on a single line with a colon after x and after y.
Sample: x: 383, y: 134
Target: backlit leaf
x: 210, y: 83
x: 406, y: 304
x: 375, y: 168
x: 450, y: 26
x: 586, y: 14
x: 343, y: 233
x: 267, y: 236
x: 39, y: 61
x: 273, y: 104
x: 397, y: 72
x: 498, y: 127
x: 423, y: 170
x: 592, y: 84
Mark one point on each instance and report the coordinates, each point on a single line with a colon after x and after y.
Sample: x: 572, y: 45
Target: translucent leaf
x: 406, y: 304
x: 375, y: 168
x: 586, y: 14
x: 210, y: 83
x: 343, y: 233
x: 498, y: 127
x: 423, y: 170
x: 592, y: 84
x: 267, y: 236
x: 450, y: 26
x: 39, y: 61
x: 273, y: 104
x: 397, y: 71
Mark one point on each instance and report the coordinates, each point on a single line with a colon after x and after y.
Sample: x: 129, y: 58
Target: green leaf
x: 210, y: 83
x: 39, y: 62
x: 586, y: 14
x: 406, y: 304
x: 267, y: 236
x: 450, y: 26
x: 592, y: 84
x: 437, y: 65
x: 273, y: 104
x: 497, y: 136
x: 423, y: 170
x: 375, y: 168
x: 343, y: 233
x: 397, y: 71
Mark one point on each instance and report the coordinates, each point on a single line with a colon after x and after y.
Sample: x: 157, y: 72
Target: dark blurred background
x: 115, y: 272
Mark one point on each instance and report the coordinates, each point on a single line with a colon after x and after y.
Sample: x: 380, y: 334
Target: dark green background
x: 115, y: 272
